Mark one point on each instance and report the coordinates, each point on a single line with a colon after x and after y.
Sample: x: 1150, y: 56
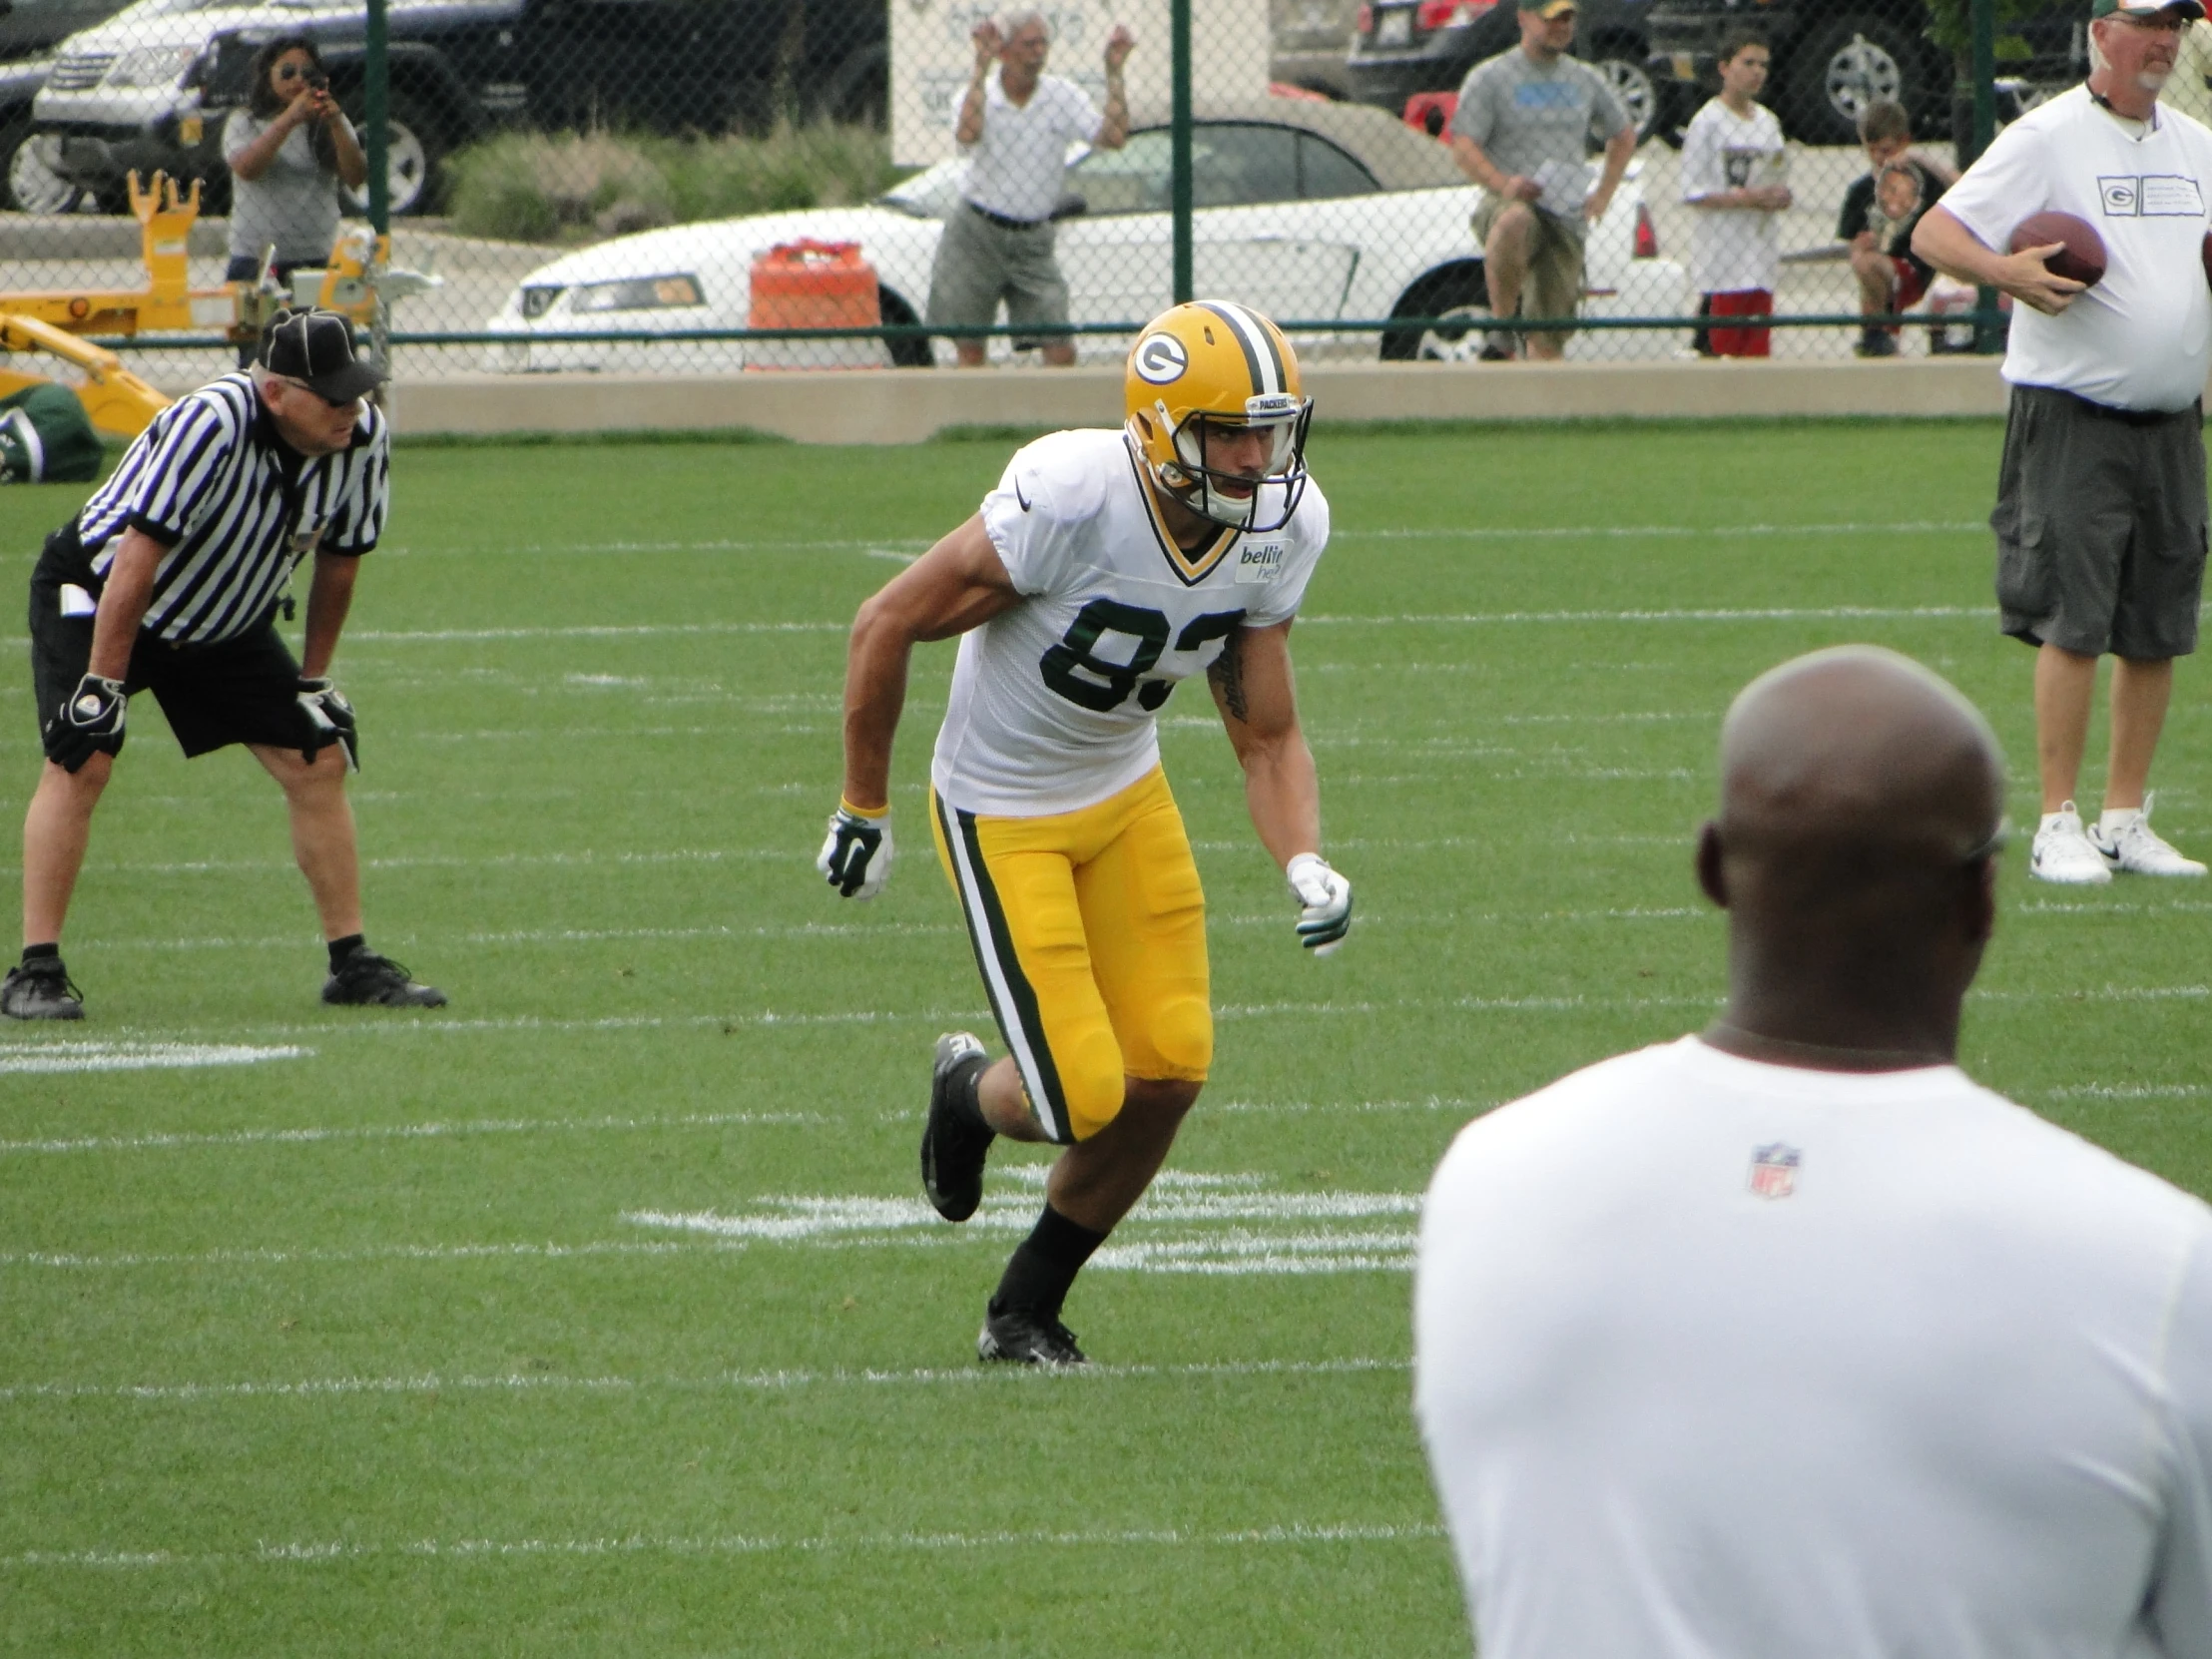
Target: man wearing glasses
x: 2100, y: 513
x: 170, y: 579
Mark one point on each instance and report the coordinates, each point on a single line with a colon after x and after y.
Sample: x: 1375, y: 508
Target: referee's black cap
x: 319, y: 349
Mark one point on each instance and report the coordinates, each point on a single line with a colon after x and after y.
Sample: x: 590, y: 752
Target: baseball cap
x: 1548, y: 9
x: 316, y: 348
x: 2145, y: 8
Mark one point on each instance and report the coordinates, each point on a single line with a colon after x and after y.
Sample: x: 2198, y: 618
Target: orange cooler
x: 813, y: 284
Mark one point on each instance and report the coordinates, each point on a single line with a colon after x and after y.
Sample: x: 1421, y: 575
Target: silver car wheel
x: 1861, y: 74
x: 1634, y: 88
x: 33, y: 185
x: 406, y: 170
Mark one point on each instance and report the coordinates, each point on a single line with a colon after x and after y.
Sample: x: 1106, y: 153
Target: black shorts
x: 2100, y: 523
x: 239, y: 690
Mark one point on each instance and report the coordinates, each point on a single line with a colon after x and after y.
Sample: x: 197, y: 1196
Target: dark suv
x: 459, y: 68
x: 1832, y: 57
x: 28, y: 28
x: 1404, y: 47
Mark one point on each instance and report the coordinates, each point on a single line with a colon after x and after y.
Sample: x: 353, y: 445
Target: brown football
x: 2082, y: 258
x: 2208, y: 256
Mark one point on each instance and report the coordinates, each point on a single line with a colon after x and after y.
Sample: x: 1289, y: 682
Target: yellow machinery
x: 359, y: 282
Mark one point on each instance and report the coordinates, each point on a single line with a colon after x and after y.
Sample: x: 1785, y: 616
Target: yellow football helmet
x: 1213, y: 365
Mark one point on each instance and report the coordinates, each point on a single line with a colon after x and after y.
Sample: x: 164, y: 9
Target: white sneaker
x: 2062, y: 852
x: 2141, y: 850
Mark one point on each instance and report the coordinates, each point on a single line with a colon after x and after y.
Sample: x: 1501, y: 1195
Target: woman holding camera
x: 289, y: 148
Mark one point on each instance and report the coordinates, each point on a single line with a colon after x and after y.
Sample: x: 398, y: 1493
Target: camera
x: 317, y: 81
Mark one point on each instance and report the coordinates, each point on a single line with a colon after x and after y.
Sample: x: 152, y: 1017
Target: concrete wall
x: 906, y: 405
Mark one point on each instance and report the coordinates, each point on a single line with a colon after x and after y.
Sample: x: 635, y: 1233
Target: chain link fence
x: 705, y: 186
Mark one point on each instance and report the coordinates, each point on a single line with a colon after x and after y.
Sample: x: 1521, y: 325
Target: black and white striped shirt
x: 236, y: 508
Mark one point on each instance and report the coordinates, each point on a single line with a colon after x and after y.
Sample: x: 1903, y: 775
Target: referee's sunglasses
x: 328, y: 402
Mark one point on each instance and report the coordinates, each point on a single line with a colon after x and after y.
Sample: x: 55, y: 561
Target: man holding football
x: 2100, y: 514
x: 1105, y: 568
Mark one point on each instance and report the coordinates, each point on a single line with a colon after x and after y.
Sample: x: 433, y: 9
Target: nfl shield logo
x: 1774, y: 1171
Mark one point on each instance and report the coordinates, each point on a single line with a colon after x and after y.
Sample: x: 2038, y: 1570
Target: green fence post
x: 1988, y: 337
x: 1179, y: 149
x: 375, y: 112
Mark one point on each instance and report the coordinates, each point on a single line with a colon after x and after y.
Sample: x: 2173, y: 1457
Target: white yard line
x: 1501, y: 532
x: 51, y: 1057
x: 1715, y: 532
x: 948, y: 1019
x: 634, y: 1543
x: 1455, y: 619
x: 457, y: 1129
x: 2129, y: 1091
x: 762, y: 1381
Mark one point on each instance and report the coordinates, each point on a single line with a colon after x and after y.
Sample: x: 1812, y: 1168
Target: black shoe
x: 41, y: 990
x: 1877, y: 342
x: 1495, y: 352
x: 1020, y: 1336
x: 366, y: 979
x: 953, y: 1146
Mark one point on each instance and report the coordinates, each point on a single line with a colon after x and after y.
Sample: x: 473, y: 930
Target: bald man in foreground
x: 1787, y: 1339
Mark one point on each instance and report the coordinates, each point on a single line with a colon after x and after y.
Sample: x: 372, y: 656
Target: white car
x: 1310, y: 211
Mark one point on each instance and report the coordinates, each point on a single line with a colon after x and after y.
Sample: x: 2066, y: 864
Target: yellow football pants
x: 1090, y: 931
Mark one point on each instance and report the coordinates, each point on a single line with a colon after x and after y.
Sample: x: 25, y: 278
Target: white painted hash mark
x: 137, y: 1057
x: 1192, y: 1223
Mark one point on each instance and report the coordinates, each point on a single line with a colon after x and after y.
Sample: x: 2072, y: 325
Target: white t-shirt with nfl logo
x: 2142, y: 337
x: 1731, y: 248
x: 1054, y: 703
x: 1718, y: 1360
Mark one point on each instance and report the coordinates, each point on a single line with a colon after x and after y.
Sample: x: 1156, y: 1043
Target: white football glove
x: 1325, y: 900
x: 857, y: 856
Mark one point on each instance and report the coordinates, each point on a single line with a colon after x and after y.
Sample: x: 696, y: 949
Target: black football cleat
x: 368, y: 980
x: 954, y: 1143
x: 41, y: 990
x: 1022, y: 1336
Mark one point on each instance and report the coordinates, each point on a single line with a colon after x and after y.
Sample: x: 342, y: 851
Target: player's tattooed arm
x: 1226, y: 676
x: 1253, y: 684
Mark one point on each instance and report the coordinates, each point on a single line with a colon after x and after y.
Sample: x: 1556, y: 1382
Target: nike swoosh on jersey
x: 1018, y: 496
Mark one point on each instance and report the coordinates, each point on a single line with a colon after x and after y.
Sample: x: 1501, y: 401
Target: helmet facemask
x: 1212, y: 493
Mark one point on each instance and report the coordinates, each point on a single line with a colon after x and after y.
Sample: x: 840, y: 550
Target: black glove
x: 329, y: 720
x: 89, y: 723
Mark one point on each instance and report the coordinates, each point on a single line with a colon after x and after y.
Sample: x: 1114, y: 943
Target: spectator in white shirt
x: 1732, y: 165
x: 1015, y: 128
x: 1789, y: 1338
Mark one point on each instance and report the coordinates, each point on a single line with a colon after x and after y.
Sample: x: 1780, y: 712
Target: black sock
x: 1044, y: 1264
x: 967, y: 1097
x: 42, y: 953
x: 343, y: 948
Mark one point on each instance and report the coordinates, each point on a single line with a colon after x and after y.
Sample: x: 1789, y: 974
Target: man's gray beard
x: 2154, y: 79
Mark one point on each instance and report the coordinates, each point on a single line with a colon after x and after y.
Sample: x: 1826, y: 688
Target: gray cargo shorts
x: 979, y: 262
x: 2100, y: 523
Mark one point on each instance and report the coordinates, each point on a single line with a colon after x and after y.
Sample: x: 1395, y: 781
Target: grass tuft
x: 579, y: 187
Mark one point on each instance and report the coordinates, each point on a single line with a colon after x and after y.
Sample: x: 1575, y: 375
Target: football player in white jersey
x: 1106, y: 567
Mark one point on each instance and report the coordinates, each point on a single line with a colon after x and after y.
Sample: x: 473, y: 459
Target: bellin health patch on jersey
x: 1260, y: 560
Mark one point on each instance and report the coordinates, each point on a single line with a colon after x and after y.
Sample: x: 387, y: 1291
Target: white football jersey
x: 1054, y: 702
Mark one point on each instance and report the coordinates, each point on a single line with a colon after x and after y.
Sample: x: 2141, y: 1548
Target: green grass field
x: 600, y: 1313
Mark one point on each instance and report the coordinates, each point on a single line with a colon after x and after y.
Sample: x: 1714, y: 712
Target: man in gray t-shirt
x: 1525, y: 121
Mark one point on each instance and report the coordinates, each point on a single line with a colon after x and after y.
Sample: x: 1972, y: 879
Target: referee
x: 169, y: 581
x: 2100, y: 514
